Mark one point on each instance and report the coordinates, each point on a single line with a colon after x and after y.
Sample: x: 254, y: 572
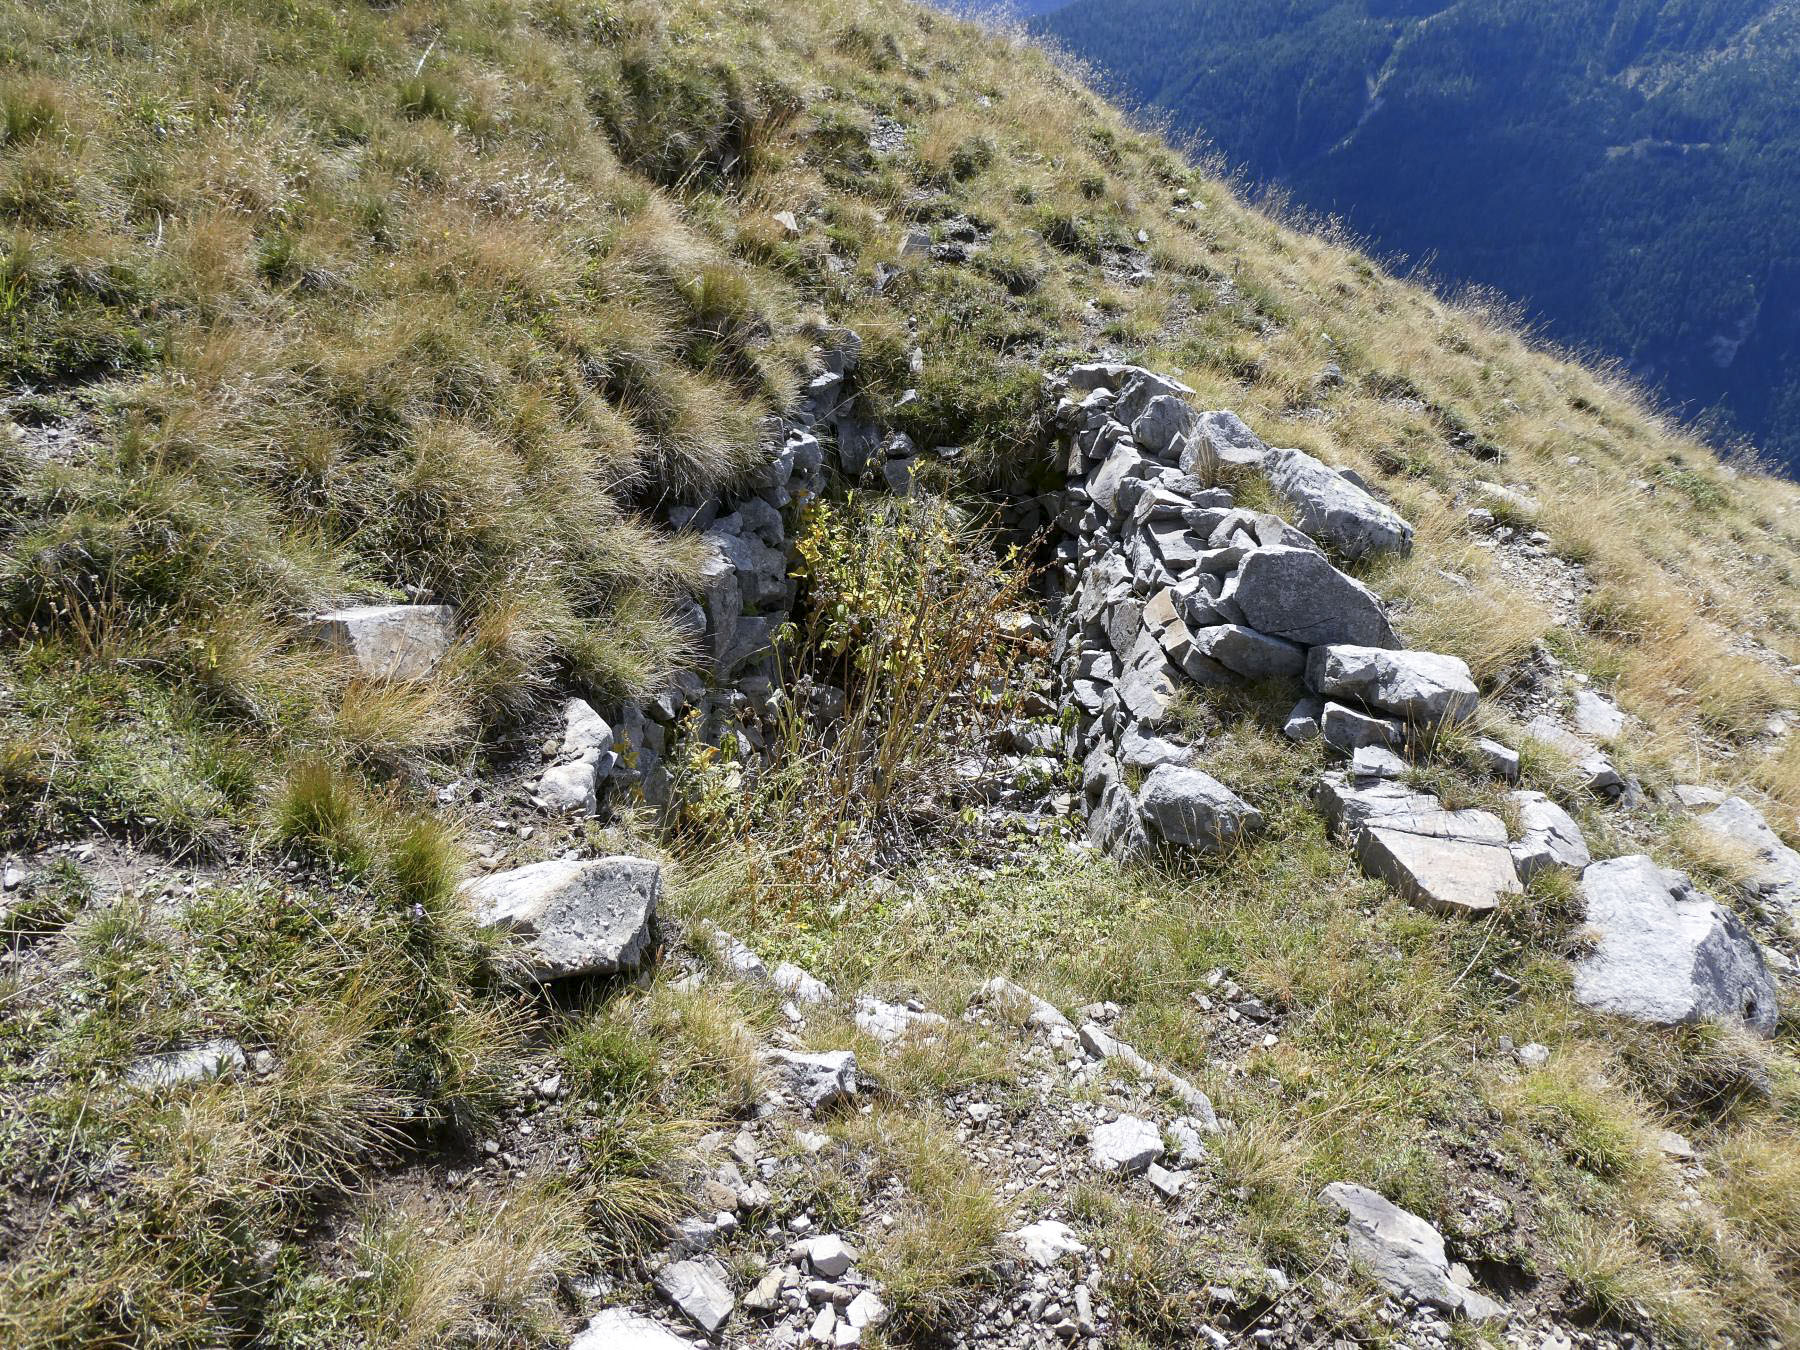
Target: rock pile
x: 1167, y: 584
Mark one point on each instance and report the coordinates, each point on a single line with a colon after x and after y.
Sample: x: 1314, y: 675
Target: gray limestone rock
x: 1333, y: 510
x: 1447, y: 862
x: 1772, y: 867
x: 572, y: 786
x: 1348, y: 730
x: 1298, y: 595
x: 623, y: 1329
x: 1226, y: 435
x: 1047, y: 1241
x: 1597, y: 771
x: 1246, y: 652
x: 1668, y: 954
x: 389, y: 642
x: 1549, y: 836
x: 1422, y: 689
x: 1302, y: 724
x: 818, y: 1080
x: 577, y: 917
x: 210, y: 1059
x: 700, y: 1288
x: 1597, y: 716
x: 1402, y: 1251
x: 1188, y: 809
x: 1127, y: 1145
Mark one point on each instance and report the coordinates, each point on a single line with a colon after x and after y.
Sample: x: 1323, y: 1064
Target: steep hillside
x: 1624, y: 169
x: 646, y: 686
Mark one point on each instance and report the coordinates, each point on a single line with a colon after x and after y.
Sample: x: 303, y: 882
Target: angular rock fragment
x: 1246, y: 652
x: 1666, y: 953
x: 1302, y: 724
x: 1549, y: 836
x: 1127, y: 1145
x: 1190, y: 809
x: 1296, y: 594
x: 1438, y: 864
x: 1597, y: 716
x: 1422, y: 689
x: 800, y: 984
x: 1232, y: 442
x: 700, y: 1289
x: 1333, y: 510
x: 1348, y: 730
x: 1047, y: 1241
x: 577, y: 917
x: 1597, y: 771
x: 1773, y: 869
x: 1402, y: 1251
x: 389, y: 642
x: 888, y: 1022
x: 818, y: 1080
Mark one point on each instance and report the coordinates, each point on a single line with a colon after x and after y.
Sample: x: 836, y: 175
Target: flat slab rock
x: 1422, y: 689
x: 623, y: 1329
x: 1447, y: 862
x: 1403, y: 1251
x: 389, y: 642
x: 577, y: 917
x: 1668, y: 954
x: 700, y: 1288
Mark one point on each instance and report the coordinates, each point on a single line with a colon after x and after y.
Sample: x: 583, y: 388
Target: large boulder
x: 1333, y: 510
x: 389, y: 642
x: 1296, y: 594
x: 577, y: 917
x: 1402, y: 1251
x: 1189, y: 809
x: 1422, y: 689
x: 1666, y: 953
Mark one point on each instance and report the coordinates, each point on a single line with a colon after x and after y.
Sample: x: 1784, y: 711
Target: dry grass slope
x: 302, y: 301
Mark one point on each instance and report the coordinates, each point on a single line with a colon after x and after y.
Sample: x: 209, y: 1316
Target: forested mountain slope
x: 1629, y: 169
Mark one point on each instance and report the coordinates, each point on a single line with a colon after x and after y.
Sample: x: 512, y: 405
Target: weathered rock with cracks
x: 1127, y: 1145
x: 700, y: 1288
x: 1334, y: 510
x: 1190, y: 809
x: 576, y: 917
x: 818, y: 1081
x: 623, y: 1329
x: 1296, y: 594
x: 1402, y: 1251
x: 1422, y: 689
x: 1451, y: 862
x: 1549, y: 836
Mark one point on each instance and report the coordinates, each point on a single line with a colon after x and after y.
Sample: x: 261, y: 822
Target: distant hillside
x: 1630, y: 168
